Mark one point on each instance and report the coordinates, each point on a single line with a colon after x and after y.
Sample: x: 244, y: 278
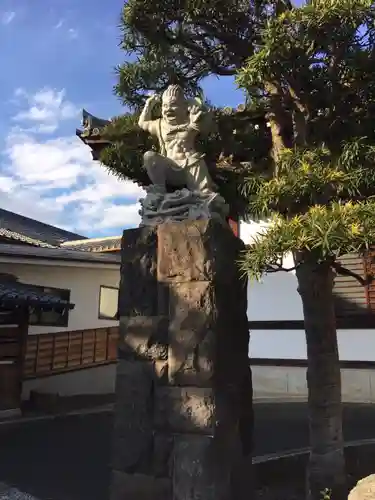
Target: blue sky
x: 57, y: 58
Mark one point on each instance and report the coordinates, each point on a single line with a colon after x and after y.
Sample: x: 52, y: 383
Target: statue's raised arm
x: 145, y: 120
x: 201, y: 119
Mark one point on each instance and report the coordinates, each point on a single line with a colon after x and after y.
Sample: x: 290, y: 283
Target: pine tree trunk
x: 326, y: 468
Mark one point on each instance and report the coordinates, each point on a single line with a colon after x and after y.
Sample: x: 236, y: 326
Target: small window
x: 51, y: 318
x: 108, y: 302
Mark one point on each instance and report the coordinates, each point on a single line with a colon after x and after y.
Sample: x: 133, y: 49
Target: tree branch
x: 283, y: 6
x: 276, y: 267
x: 343, y: 271
x: 276, y: 118
x: 235, y: 43
x: 186, y: 41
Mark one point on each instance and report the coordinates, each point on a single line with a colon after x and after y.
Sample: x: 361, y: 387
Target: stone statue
x: 178, y: 164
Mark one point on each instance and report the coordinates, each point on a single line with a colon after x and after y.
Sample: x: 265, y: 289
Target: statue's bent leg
x: 198, y: 177
x: 176, y: 176
x: 162, y: 171
x: 154, y: 164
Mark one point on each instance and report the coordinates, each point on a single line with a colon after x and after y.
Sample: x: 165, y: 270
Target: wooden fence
x: 52, y: 353
x: 351, y: 298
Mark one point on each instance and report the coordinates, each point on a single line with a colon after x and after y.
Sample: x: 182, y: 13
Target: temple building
x: 58, y: 314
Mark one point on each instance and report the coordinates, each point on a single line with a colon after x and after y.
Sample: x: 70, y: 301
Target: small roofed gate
x: 17, y: 300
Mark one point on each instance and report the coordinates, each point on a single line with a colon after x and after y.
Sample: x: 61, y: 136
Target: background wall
x: 96, y: 380
x: 84, y: 283
x: 275, y: 298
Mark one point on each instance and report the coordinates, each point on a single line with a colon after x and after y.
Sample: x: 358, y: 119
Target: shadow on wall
x: 277, y: 327
x: 278, y: 347
x: 273, y: 298
x: 274, y: 303
x: 276, y: 298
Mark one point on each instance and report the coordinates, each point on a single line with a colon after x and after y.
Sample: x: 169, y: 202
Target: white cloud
x: 7, y: 17
x: 7, y: 184
x: 46, y: 109
x: 72, y: 33
x: 20, y: 92
x: 59, y: 24
x: 83, y: 193
x: 56, y: 181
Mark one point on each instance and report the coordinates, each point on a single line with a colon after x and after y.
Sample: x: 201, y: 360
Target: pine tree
x: 315, y: 65
x: 175, y: 41
x: 301, y: 150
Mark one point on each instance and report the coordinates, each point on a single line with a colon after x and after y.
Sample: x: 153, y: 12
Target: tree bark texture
x: 278, y: 121
x: 326, y: 467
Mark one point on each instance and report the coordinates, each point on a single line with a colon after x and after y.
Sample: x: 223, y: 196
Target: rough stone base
x: 139, y: 487
x: 10, y: 493
x: 183, y: 415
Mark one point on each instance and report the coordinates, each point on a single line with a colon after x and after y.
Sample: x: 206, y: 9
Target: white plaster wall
x: 289, y: 384
x: 84, y: 283
x: 354, y: 345
x: 269, y: 383
x: 275, y: 297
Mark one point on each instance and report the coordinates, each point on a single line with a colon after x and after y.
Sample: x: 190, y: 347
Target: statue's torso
x: 178, y: 143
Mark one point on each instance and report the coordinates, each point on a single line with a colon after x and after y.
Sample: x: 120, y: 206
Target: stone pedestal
x: 183, y: 416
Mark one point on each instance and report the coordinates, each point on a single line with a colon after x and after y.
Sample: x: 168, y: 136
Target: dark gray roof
x: 15, y: 294
x: 95, y: 244
x: 30, y: 252
x: 34, y: 229
x: 6, y: 234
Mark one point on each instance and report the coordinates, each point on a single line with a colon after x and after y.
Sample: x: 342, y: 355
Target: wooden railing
x: 51, y: 353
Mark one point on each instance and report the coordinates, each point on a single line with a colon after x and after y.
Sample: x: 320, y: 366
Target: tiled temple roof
x: 32, y: 231
x: 14, y: 236
x: 15, y: 294
x: 109, y: 243
x: 61, y: 253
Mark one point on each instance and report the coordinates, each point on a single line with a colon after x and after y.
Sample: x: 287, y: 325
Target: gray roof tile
x: 13, y: 236
x: 95, y: 244
x: 34, y: 229
x: 30, y: 252
x: 22, y: 294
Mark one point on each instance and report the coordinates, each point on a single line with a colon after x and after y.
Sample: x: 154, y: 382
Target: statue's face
x: 175, y: 111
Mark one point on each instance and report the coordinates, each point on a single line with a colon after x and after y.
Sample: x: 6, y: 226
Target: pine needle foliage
x: 315, y: 66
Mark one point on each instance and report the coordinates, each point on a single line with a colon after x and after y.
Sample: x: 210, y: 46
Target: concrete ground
x: 67, y: 458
